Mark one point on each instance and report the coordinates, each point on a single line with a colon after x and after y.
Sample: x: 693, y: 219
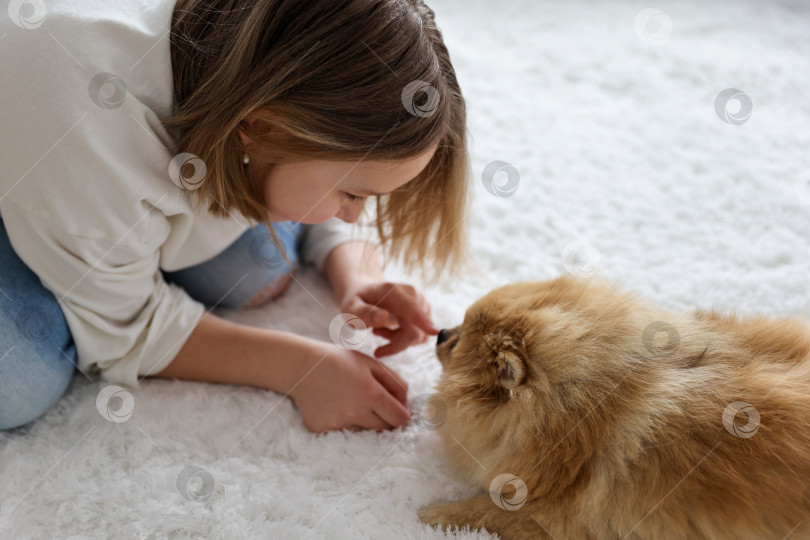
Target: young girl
x: 161, y: 159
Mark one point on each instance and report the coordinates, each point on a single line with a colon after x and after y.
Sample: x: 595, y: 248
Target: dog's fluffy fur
x: 617, y: 430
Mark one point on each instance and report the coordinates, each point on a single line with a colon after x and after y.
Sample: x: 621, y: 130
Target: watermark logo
x: 429, y: 411
x: 115, y: 404
x: 651, y: 338
x: 516, y: 501
x: 107, y: 90
x: 733, y: 106
x: 195, y: 483
x: 428, y: 108
x: 27, y: 14
x: 730, y: 415
x: 505, y: 188
x: 34, y: 323
x: 581, y: 259
x: 653, y: 26
x: 187, y: 171
x: 348, y: 331
x: 265, y: 253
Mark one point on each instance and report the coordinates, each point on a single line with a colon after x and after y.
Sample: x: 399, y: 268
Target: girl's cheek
x: 322, y: 212
x: 341, y: 211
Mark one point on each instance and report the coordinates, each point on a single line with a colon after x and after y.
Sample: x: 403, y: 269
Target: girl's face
x: 314, y: 191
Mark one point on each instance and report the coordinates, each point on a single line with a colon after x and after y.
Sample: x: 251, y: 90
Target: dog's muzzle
x: 442, y: 337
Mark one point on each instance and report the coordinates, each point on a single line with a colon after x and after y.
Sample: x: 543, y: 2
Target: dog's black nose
x: 442, y: 337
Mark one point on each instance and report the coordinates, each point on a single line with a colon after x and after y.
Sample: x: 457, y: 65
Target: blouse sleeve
x: 126, y: 321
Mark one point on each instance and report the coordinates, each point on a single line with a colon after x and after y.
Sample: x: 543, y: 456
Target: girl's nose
x: 349, y: 214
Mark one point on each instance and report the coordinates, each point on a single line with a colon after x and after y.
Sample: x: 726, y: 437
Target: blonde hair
x: 337, y: 80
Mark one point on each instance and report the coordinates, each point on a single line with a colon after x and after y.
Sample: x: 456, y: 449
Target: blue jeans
x: 37, y: 353
x: 251, y: 264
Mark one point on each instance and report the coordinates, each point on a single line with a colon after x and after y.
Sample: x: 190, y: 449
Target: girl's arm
x: 222, y: 351
x: 246, y: 348
x: 334, y: 388
x: 350, y: 264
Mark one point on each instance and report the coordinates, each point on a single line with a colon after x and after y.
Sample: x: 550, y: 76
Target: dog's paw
x: 432, y: 515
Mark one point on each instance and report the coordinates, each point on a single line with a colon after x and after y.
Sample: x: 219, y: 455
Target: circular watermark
x: 505, y: 188
x: 107, y: 90
x: 428, y: 108
x: 516, y: 501
x: 183, y: 177
x: 115, y: 404
x: 429, y: 411
x: 653, y: 26
x: 580, y: 259
x: 27, y: 14
x: 651, y: 338
x: 802, y: 185
x: 265, y: 253
x: 195, y: 483
x: 34, y: 323
x: 730, y: 415
x: 733, y: 106
x: 349, y: 331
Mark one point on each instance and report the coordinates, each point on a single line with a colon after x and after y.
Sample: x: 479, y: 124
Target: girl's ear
x: 265, y: 121
x: 242, y: 135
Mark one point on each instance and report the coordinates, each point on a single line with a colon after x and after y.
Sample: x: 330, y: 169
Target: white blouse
x: 85, y: 191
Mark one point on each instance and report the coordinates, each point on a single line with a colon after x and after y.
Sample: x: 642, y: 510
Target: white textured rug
x: 608, y: 113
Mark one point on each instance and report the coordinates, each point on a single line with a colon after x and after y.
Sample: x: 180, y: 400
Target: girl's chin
x: 279, y: 216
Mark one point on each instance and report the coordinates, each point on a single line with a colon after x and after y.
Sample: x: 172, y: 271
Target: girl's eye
x: 353, y: 197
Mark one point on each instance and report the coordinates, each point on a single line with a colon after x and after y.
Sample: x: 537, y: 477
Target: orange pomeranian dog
x: 585, y: 412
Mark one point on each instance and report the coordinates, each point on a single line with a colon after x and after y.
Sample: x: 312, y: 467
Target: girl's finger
x: 425, y: 306
x: 406, y: 307
x: 389, y: 333
x: 399, y: 340
x: 373, y: 421
x: 380, y: 317
x: 373, y: 316
x: 391, y: 411
x: 389, y: 320
x: 391, y: 381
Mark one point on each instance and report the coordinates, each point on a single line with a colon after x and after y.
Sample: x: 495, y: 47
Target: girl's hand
x: 395, y: 311
x: 347, y: 389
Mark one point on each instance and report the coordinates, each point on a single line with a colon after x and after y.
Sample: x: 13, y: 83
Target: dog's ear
x: 511, y: 369
x: 507, y: 359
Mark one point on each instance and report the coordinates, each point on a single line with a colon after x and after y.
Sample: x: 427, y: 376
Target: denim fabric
x: 247, y: 266
x: 37, y: 353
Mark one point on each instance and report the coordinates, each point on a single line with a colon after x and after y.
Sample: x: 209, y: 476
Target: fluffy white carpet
x: 625, y: 166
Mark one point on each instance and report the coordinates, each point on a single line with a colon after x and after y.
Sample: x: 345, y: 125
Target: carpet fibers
x: 623, y: 153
